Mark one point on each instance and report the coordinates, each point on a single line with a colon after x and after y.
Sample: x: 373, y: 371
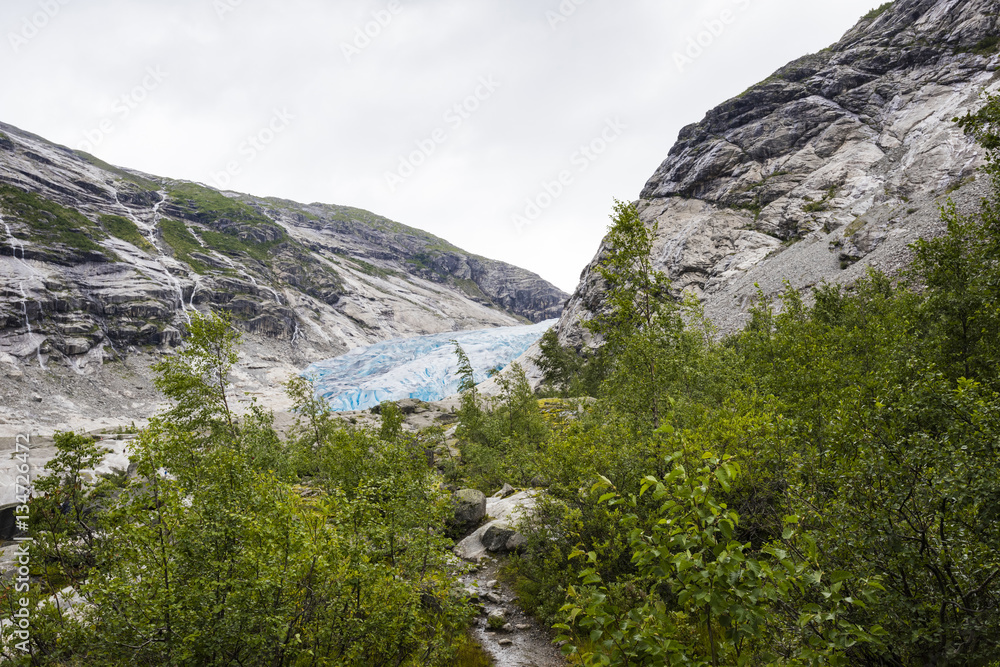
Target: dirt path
x: 526, y: 644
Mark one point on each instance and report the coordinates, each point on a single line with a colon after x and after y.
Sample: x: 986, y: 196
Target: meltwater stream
x: 422, y: 367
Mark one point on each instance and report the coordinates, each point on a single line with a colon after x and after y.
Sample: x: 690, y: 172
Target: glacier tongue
x: 422, y: 367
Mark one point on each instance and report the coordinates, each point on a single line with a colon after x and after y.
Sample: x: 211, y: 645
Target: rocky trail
x: 509, y: 635
x: 520, y: 641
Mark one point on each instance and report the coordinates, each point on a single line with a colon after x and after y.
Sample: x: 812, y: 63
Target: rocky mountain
x: 100, y: 263
x: 834, y: 163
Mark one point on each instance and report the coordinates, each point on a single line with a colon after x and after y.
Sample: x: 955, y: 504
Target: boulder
x: 505, y: 492
x: 470, y: 508
x: 504, y: 514
x: 496, y: 537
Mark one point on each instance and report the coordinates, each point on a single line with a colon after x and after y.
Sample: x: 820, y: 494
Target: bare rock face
x: 835, y: 162
x: 498, y: 535
x: 99, y: 263
x: 470, y: 508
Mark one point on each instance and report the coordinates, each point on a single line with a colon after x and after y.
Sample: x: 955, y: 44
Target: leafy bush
x: 50, y: 222
x: 126, y: 230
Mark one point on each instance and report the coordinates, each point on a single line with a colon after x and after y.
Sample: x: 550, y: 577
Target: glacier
x: 422, y: 367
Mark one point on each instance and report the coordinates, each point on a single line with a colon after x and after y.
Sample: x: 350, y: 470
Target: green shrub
x: 126, y: 230
x: 878, y: 11
x: 50, y: 222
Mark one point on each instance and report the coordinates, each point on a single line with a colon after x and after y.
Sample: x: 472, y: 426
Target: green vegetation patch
x: 117, y: 171
x: 960, y: 184
x: 49, y: 221
x: 180, y: 238
x: 471, y: 288
x: 878, y: 11
x: 231, y: 244
x: 855, y: 226
x: 370, y: 269
x: 126, y: 230
x: 351, y: 214
x: 823, y: 204
x: 208, y: 206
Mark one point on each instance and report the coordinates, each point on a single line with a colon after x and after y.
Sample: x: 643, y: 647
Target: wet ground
x: 524, y: 643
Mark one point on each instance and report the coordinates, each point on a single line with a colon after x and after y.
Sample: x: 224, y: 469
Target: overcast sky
x: 507, y: 127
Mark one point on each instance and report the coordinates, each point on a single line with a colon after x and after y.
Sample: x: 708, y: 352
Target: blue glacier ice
x: 422, y: 367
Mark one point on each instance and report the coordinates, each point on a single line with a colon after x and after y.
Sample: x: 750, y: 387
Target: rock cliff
x: 100, y: 263
x: 94, y: 257
x: 834, y: 163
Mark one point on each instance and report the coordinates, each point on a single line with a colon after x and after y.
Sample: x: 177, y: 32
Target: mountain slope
x: 835, y: 162
x: 100, y: 263
x: 99, y: 255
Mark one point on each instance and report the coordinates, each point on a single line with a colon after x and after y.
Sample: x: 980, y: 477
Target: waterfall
x: 27, y: 323
x: 151, y: 237
x: 14, y: 245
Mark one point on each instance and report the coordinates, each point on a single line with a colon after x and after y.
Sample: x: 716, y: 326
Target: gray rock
x: 505, y: 513
x: 538, y: 482
x: 835, y: 163
x: 496, y: 620
x: 505, y: 642
x: 505, y: 492
x: 470, y: 508
x: 496, y: 537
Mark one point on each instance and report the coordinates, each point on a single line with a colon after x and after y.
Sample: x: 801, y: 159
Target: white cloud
x: 353, y: 120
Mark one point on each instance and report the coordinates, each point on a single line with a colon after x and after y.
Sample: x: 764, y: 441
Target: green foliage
x: 567, y: 372
x: 208, y: 206
x: 864, y: 430
x: 392, y: 422
x: 231, y: 244
x: 878, y: 11
x: 823, y: 204
x: 126, y: 230
x: 709, y: 602
x: 471, y: 288
x: 370, y: 269
x: 179, y: 237
x: 50, y: 222
x: 211, y: 554
x: 649, y: 351
x: 986, y: 46
x: 502, y: 437
x: 66, y: 517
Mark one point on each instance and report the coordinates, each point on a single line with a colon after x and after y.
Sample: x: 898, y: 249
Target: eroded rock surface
x: 498, y: 535
x: 834, y: 163
x: 101, y: 264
